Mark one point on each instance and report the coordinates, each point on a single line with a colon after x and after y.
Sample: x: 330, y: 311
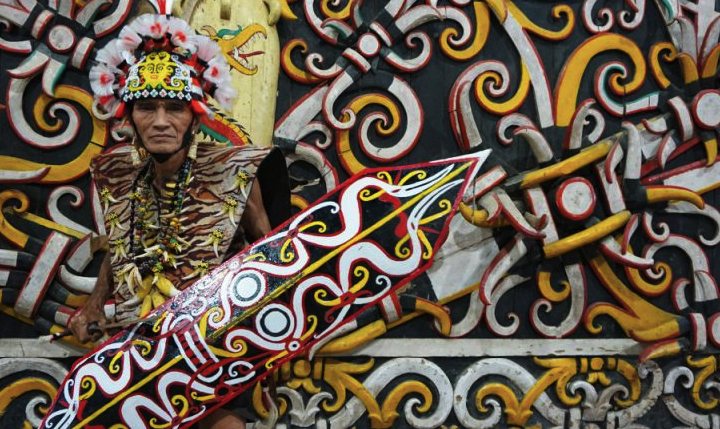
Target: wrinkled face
x: 161, y: 124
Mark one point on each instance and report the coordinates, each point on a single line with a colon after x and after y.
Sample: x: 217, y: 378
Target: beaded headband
x: 160, y: 57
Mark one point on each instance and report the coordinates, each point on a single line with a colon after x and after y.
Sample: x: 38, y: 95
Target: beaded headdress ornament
x: 158, y: 56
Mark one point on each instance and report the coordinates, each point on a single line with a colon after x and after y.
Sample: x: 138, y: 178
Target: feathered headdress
x: 160, y: 56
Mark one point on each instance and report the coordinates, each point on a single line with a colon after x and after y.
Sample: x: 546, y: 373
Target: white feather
x: 207, y: 48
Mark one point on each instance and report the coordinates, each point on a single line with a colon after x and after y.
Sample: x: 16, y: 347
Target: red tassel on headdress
x: 120, y: 111
x: 193, y: 62
x: 163, y: 7
x: 105, y: 99
x: 200, y: 108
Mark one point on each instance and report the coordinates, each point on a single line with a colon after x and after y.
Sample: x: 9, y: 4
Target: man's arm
x: 255, y: 220
x: 93, y: 309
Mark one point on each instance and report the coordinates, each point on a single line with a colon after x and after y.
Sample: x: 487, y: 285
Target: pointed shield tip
x: 479, y: 158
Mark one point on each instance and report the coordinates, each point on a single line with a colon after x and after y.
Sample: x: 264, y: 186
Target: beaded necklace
x: 156, y: 236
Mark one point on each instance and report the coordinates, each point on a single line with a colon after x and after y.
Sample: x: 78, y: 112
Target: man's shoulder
x: 218, y: 149
x: 118, y: 157
x: 243, y: 157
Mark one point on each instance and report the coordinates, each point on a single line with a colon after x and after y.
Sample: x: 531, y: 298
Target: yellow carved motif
x: 587, y: 236
x: 479, y: 217
x: 298, y: 202
x: 114, y: 367
x: 670, y: 55
x: 384, y: 176
x: 508, y: 106
x: 557, y: 12
x: 341, y: 14
x: 354, y: 339
x: 20, y: 387
x: 499, y: 7
x: 341, y: 377
x: 548, y: 291
x: 570, y: 79
x: 637, y: 317
x: 259, y: 406
x: 285, y: 10
x: 287, y: 254
x: 711, y: 151
x: 689, y: 68
x: 711, y: 63
x: 519, y: 411
x: 629, y: 371
x: 665, y: 194
x: 708, y: 366
x: 12, y: 234
x: 384, y: 128
x: 515, y: 412
x: 638, y: 281
x: 482, y: 30
x: 30, y: 217
x: 302, y: 377
x: 290, y: 68
x: 560, y: 372
x: 568, y: 165
x: 62, y: 173
x: 440, y: 313
x: 320, y: 225
x: 389, y: 407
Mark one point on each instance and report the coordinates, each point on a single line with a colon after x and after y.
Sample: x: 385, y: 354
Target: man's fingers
x: 84, y: 330
x: 76, y: 328
x: 94, y: 331
x: 93, y: 328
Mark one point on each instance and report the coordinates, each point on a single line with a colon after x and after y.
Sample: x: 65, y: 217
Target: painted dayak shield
x: 268, y: 304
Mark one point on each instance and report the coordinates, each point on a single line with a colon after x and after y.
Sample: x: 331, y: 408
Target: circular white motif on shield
x: 576, y: 198
x: 247, y: 288
x: 274, y: 322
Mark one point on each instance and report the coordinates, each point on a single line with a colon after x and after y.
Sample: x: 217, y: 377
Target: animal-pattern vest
x: 210, y: 218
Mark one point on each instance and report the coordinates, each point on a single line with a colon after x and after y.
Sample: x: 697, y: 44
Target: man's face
x: 162, y: 124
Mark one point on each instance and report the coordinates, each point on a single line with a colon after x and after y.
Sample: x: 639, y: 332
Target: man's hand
x: 92, y: 314
x: 85, y: 324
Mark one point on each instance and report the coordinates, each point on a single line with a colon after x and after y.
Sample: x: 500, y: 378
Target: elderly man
x: 174, y: 209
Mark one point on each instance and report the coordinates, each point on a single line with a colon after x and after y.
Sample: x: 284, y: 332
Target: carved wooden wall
x: 580, y: 278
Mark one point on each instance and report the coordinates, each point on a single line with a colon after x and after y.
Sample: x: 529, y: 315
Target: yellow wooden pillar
x: 246, y: 32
